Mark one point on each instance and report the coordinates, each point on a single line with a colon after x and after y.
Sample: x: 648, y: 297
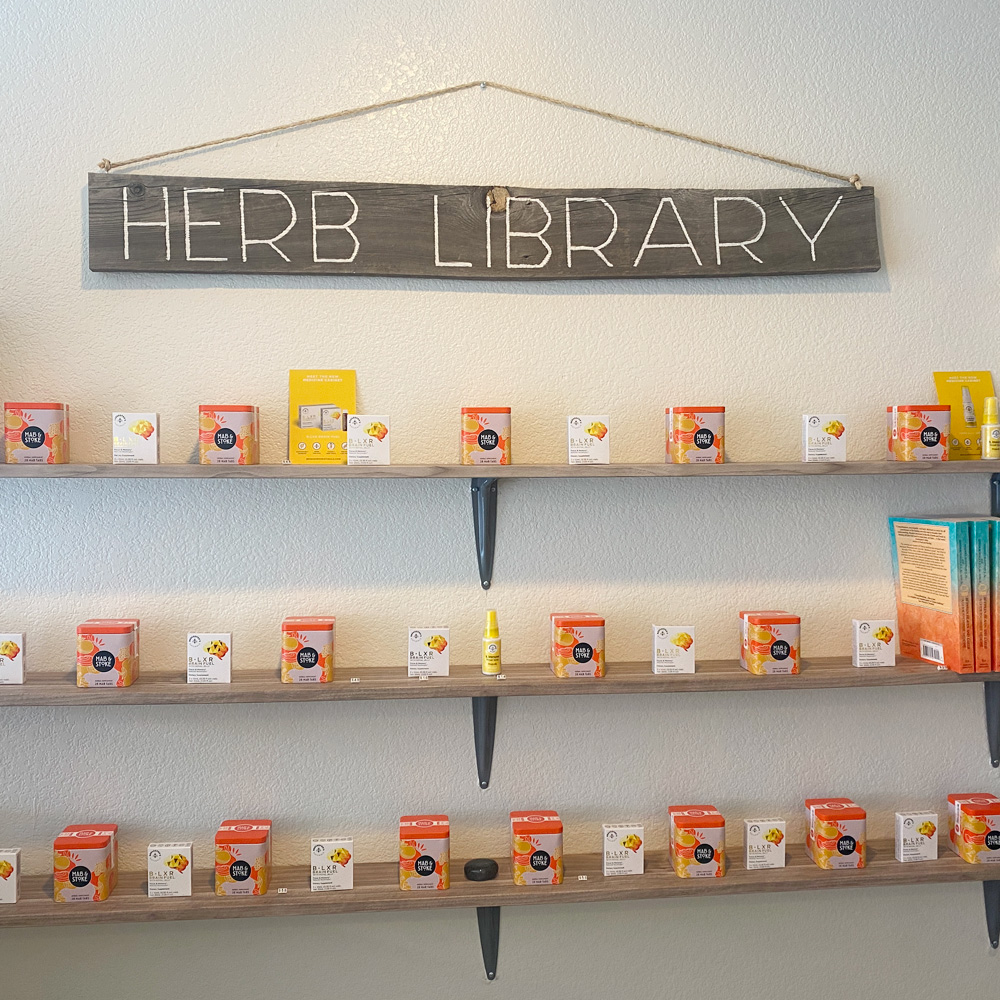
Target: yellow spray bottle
x: 990, y: 429
x: 491, y: 645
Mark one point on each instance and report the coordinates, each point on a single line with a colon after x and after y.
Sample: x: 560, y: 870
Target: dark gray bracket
x: 992, y: 690
x: 484, y: 728
x: 995, y: 494
x: 484, y: 517
x: 489, y: 935
x: 991, y: 893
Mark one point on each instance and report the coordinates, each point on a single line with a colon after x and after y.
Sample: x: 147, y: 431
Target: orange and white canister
x: 697, y: 841
x: 86, y: 830
x: 696, y: 434
x: 307, y: 650
x: 106, y: 652
x: 36, y: 433
x: 920, y: 433
x: 536, y: 847
x: 770, y: 642
x: 485, y: 436
x: 83, y: 865
x: 577, y: 646
x: 836, y: 833
x: 228, y: 435
x: 955, y: 802
x: 243, y: 857
x: 978, y: 839
x: 424, y: 852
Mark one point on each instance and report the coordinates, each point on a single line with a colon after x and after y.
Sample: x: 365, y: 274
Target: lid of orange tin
x: 36, y: 406
x: 917, y: 406
x: 318, y: 623
x: 95, y: 841
x: 812, y: 803
x: 486, y: 409
x: 538, y: 821
x: 692, y: 818
x: 245, y: 824
x: 832, y: 811
x: 744, y: 614
x: 773, y: 618
x: 981, y: 808
x: 433, y: 827
x: 580, y: 619
x: 231, y: 835
x: 676, y: 809
x: 956, y: 797
x: 98, y: 828
x: 695, y: 409
x: 111, y: 626
x: 226, y: 409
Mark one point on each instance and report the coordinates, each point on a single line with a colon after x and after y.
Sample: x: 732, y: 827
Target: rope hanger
x: 854, y: 179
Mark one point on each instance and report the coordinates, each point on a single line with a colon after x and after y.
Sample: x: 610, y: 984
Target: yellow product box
x: 978, y: 839
x: 485, y: 438
x: 835, y: 836
x: 577, y: 646
x: 769, y: 642
x: 107, y: 652
x: 536, y: 847
x: 10, y: 874
x: 36, y: 433
x: 228, y: 435
x: 83, y: 865
x: 697, y: 841
x: 424, y: 852
x: 243, y: 857
x: 955, y: 803
x: 319, y: 400
x: 696, y: 434
x: 920, y: 433
x: 964, y: 393
x: 307, y: 650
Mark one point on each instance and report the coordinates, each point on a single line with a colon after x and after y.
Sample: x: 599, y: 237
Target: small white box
x: 367, y: 439
x: 10, y: 874
x: 623, y: 850
x: 135, y: 438
x: 589, y: 440
x: 11, y: 657
x: 332, y: 864
x: 673, y: 649
x: 916, y: 837
x: 209, y: 657
x: 763, y: 843
x: 874, y: 642
x: 824, y: 437
x: 168, y: 870
x: 429, y: 655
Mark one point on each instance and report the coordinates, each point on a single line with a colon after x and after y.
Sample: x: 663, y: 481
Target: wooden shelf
x: 377, y: 889
x: 519, y: 680
x: 653, y: 470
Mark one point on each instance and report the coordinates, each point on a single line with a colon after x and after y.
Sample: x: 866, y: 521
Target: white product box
x: 10, y: 874
x: 332, y: 864
x: 673, y: 649
x: 763, y: 843
x: 589, y: 440
x: 874, y: 642
x: 824, y: 437
x: 135, y: 438
x: 367, y: 439
x: 429, y: 655
x: 11, y: 657
x: 624, y: 853
x: 916, y: 837
x: 168, y: 870
x: 209, y: 657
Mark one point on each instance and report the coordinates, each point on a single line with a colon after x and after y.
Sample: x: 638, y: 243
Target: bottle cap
x: 492, y: 630
x: 990, y: 410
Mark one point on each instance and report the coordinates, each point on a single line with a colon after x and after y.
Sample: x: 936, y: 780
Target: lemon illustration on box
x: 6, y: 870
x: 12, y: 658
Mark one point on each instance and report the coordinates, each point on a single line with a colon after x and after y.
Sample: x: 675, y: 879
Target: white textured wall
x: 895, y: 90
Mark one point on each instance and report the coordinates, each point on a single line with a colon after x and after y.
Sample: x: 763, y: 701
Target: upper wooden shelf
x: 377, y: 888
x: 653, y: 470
x: 521, y: 679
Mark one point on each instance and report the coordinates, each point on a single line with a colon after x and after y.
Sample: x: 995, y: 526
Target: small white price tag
x: 355, y: 680
x: 581, y: 878
x: 501, y: 677
x: 280, y: 891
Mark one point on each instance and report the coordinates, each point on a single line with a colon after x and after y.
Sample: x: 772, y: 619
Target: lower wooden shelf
x: 377, y: 889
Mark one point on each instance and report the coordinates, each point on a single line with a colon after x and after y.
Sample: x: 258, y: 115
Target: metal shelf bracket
x: 991, y: 691
x: 489, y: 936
x: 484, y: 518
x: 991, y: 894
x: 484, y: 728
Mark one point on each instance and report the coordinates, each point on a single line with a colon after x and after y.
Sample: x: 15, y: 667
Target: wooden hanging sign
x: 215, y: 225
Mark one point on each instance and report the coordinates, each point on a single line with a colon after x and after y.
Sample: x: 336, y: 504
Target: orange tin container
x: 485, y: 438
x: 36, y: 433
x: 243, y: 857
x: 697, y: 841
x: 770, y: 642
x: 536, y: 847
x: 577, y: 645
x: 696, y: 434
x: 920, y: 433
x: 84, y: 864
x: 835, y: 833
x: 424, y: 852
x: 307, y: 650
x: 106, y: 652
x: 228, y: 435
